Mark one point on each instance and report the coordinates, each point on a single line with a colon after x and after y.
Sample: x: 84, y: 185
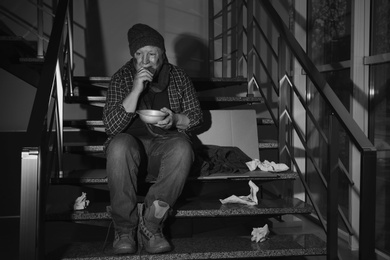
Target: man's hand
x: 130, y: 102
x: 141, y: 78
x: 172, y: 120
x: 168, y: 121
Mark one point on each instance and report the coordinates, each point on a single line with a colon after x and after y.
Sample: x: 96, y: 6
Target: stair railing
x: 42, y: 150
x: 227, y: 62
x: 38, y: 31
x: 339, y: 118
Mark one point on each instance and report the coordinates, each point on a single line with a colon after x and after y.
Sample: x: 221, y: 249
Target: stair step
x: 232, y: 99
x: 99, y: 148
x: 200, y: 83
x: 32, y: 60
x: 91, y: 80
x: 12, y: 49
x: 265, y: 121
x: 268, y: 144
x: 72, y: 148
x: 11, y: 38
x: 99, y: 176
x: 23, y: 47
x: 93, y: 124
x: 211, y: 248
x: 196, y: 208
x: 102, y: 99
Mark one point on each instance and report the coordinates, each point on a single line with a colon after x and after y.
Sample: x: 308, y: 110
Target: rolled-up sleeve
x: 115, y: 117
x: 183, y: 98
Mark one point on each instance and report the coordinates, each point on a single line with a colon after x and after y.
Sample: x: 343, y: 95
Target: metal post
x: 70, y: 47
x: 250, y: 50
x: 29, y: 204
x: 367, y: 206
x: 332, y: 205
x: 240, y: 40
x: 60, y: 117
x: 224, y: 38
x: 283, y: 97
x: 233, y: 42
x: 211, y: 39
x: 40, y: 29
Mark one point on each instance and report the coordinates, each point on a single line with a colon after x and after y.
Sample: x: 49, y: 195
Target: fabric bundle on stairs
x: 219, y: 159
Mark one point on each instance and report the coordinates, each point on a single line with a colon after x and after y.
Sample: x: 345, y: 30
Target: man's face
x: 148, y: 56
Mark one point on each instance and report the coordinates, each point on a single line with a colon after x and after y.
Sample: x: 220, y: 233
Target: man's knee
x: 182, y: 146
x: 121, y: 145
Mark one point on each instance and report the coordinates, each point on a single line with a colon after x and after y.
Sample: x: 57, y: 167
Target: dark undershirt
x: 158, y: 101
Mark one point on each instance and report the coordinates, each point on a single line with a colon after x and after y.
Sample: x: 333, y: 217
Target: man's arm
x: 131, y: 100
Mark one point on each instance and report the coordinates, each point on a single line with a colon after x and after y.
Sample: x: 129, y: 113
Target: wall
x: 101, y: 48
x: 101, y: 27
x: 16, y: 99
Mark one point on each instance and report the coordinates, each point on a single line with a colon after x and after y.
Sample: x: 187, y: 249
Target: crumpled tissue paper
x: 81, y: 202
x: 251, y: 199
x: 266, y: 166
x: 260, y: 234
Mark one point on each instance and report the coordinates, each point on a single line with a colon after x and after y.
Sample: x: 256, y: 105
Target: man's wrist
x: 180, y: 121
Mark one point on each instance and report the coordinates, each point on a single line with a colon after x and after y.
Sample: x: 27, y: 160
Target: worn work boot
x: 124, y: 243
x: 150, y: 228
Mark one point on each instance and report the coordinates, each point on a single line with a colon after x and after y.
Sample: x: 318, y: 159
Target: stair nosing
x: 103, y: 180
x: 212, y: 247
x: 102, y: 99
x: 185, y: 211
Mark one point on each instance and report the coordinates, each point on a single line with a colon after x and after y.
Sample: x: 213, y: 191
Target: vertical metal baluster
x: 70, y: 48
x: 60, y: 118
x: 40, y: 29
x: 332, y: 207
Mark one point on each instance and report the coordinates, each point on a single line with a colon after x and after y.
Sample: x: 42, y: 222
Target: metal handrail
x: 340, y: 118
x: 363, y: 144
x: 37, y: 153
x: 45, y: 87
x: 22, y: 23
x: 322, y: 86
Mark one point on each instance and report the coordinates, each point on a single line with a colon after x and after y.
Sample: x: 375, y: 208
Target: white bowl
x: 151, y: 116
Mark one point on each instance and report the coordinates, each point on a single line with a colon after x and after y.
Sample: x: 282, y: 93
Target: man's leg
x: 171, y: 159
x: 123, y: 159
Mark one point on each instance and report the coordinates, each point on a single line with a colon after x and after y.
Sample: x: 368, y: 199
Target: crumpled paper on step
x: 251, y: 199
x: 266, y: 166
x: 260, y: 234
x: 81, y: 202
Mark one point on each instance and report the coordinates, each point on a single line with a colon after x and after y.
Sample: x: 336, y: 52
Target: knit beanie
x: 141, y: 35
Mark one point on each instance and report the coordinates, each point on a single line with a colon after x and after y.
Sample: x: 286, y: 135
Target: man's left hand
x: 168, y: 121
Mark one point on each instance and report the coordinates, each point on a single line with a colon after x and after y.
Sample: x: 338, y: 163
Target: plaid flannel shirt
x: 181, y: 93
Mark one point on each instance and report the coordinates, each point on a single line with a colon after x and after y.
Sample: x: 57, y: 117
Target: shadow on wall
x: 192, y: 55
x: 95, y: 62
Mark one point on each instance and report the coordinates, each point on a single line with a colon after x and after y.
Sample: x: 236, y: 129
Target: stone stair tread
x: 215, y: 80
x: 99, y: 123
x: 34, y: 60
x: 231, y: 99
x: 265, y: 121
x: 191, y: 208
x: 80, y: 148
x: 83, y: 122
x: 211, y: 248
x: 102, y: 99
x: 99, y: 176
x: 268, y: 144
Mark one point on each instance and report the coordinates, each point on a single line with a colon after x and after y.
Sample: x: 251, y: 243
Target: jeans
x: 168, y: 161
